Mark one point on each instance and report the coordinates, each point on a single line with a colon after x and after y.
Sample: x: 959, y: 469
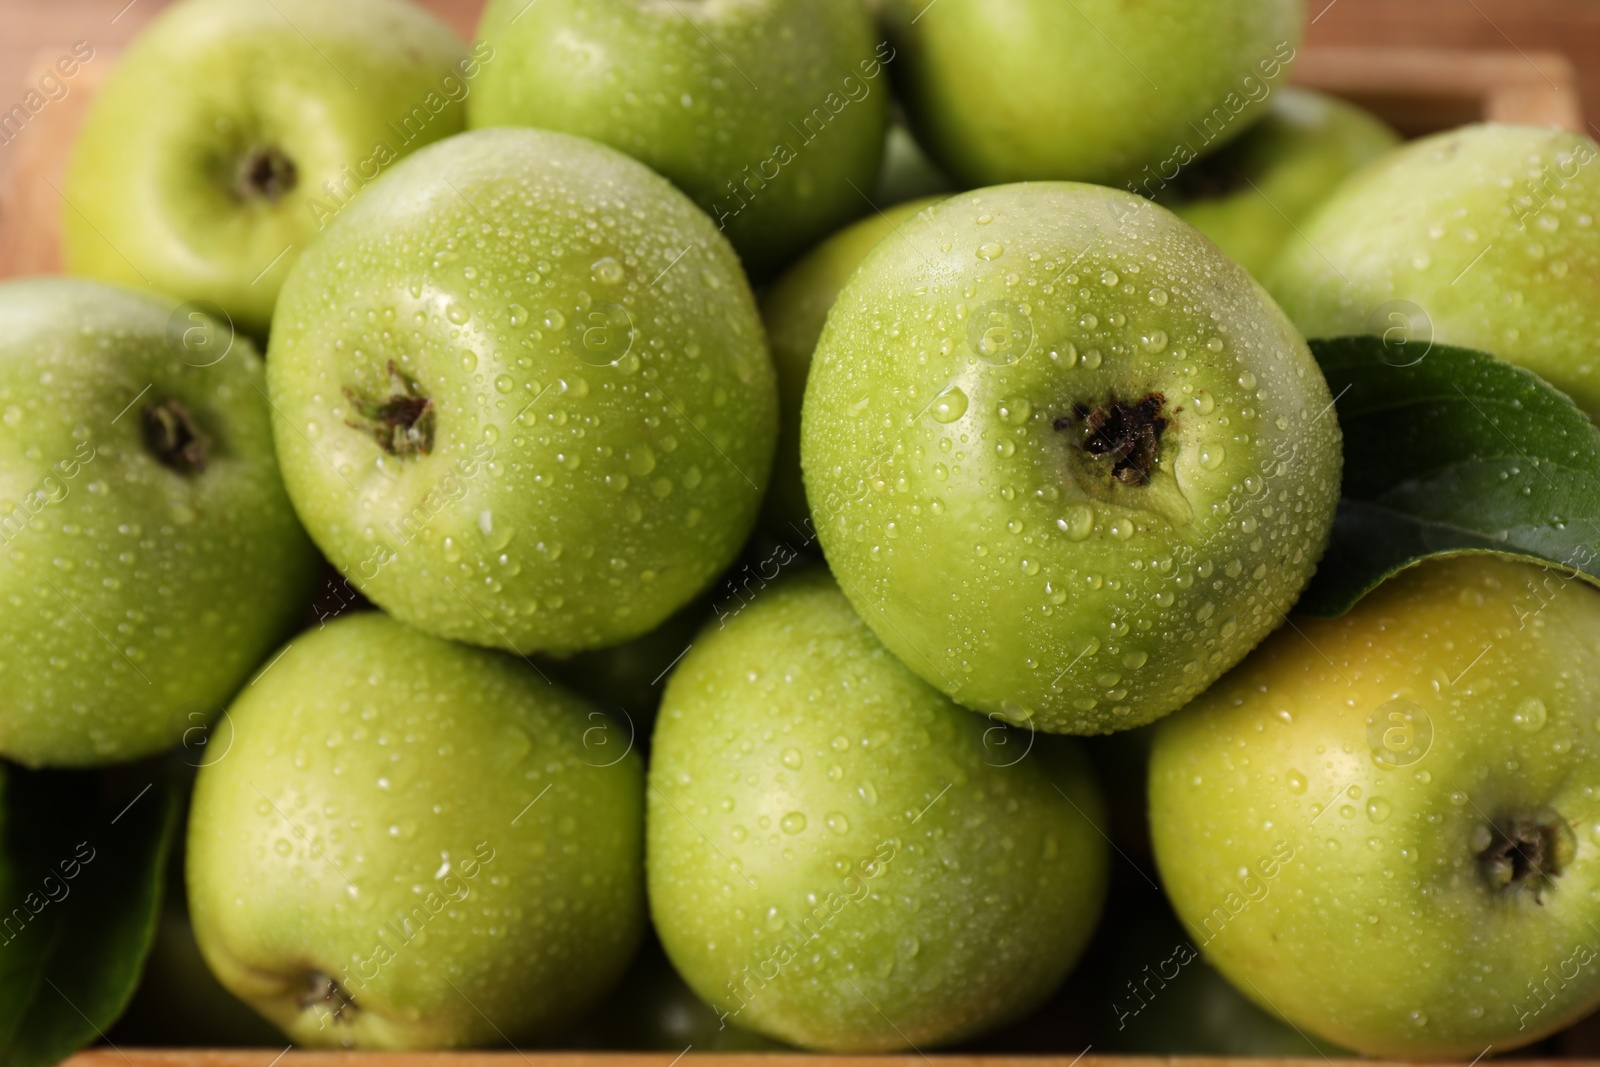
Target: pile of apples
x: 885, y: 393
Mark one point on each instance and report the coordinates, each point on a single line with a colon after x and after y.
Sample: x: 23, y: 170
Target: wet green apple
x: 233, y: 130
x: 409, y: 843
x: 1067, y: 459
x: 841, y: 858
x: 1161, y: 998
x: 794, y: 310
x: 1483, y: 237
x: 524, y: 398
x: 1379, y: 826
x: 1092, y: 90
x: 769, y: 115
x: 151, y: 558
x: 1250, y: 196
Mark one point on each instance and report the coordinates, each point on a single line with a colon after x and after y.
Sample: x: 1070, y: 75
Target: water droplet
x: 991, y: 250
x: 1531, y: 715
x: 1203, y: 402
x: 793, y: 822
x: 607, y: 271
x: 836, y: 822
x: 950, y: 405
x: 1211, y: 457
x: 1078, y: 523
x: 1378, y: 809
x: 792, y: 758
x: 1296, y: 782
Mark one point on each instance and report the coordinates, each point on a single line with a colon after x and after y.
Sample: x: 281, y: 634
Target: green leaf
x: 80, y: 887
x: 1452, y: 452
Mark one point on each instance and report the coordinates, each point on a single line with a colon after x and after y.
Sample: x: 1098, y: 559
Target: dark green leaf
x: 80, y: 888
x: 1453, y: 452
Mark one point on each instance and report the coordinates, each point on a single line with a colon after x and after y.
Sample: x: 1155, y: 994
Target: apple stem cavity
x: 173, y: 438
x: 328, y: 998
x: 1129, y: 435
x: 402, y: 422
x: 265, y: 173
x: 1525, y: 852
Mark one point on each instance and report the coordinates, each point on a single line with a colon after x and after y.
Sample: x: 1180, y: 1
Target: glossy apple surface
x: 1250, y: 196
x: 765, y: 113
x: 1483, y: 237
x: 232, y: 131
x: 151, y: 558
x: 523, y: 395
x: 794, y: 310
x: 1092, y: 90
x: 1068, y: 461
x: 1379, y: 826
x: 408, y: 843
x: 841, y: 858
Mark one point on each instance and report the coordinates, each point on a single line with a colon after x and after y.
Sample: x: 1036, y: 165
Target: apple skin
x: 358, y: 768
x: 142, y: 592
x: 672, y: 86
x: 153, y: 188
x: 1398, y: 247
x: 860, y: 830
x: 602, y: 406
x: 1017, y: 90
x: 794, y: 309
x: 1373, y: 924
x: 951, y: 469
x: 1250, y: 196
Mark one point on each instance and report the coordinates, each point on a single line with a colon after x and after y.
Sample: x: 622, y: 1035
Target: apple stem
x: 1128, y: 434
x: 402, y: 423
x: 171, y: 435
x: 265, y: 173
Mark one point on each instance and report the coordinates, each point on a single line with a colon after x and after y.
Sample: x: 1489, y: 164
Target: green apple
x: 1089, y: 90
x: 151, y: 558
x: 1484, y: 237
x: 794, y: 310
x: 652, y: 1008
x: 179, y: 1003
x: 1066, y: 458
x: 1380, y: 826
x: 413, y: 844
x: 841, y: 858
x: 770, y: 115
x: 234, y: 130
x: 1250, y: 196
x: 524, y: 398
x: 1166, y: 1000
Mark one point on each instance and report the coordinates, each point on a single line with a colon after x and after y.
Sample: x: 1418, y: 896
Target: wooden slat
x: 106, y: 1057
x: 1419, y: 90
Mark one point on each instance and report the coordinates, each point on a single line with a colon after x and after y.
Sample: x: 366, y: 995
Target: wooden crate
x: 1416, y: 90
